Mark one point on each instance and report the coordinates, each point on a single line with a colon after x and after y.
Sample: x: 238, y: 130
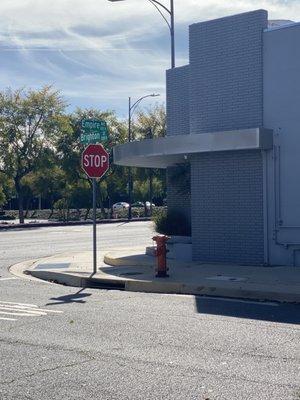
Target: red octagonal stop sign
x: 95, y: 160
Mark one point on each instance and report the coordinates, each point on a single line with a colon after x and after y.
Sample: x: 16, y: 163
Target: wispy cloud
x: 97, y: 52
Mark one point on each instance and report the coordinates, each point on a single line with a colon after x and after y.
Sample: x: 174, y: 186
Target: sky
x: 98, y: 53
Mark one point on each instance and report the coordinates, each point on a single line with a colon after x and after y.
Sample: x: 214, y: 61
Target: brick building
x: 233, y: 115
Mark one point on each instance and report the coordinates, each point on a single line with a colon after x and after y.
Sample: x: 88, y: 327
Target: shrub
x: 7, y: 217
x: 62, y: 208
x: 172, y: 223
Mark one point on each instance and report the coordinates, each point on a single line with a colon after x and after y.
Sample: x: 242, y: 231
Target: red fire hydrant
x: 161, y: 254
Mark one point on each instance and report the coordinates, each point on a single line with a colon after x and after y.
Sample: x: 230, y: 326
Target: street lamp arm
x: 135, y: 104
x: 164, y: 7
x: 156, y: 6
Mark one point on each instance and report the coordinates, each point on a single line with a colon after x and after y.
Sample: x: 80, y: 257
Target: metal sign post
x: 94, y: 227
x: 95, y: 163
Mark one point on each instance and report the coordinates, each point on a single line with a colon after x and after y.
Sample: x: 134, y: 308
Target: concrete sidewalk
x: 132, y: 270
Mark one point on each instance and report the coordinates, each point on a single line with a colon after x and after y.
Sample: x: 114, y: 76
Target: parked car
x: 137, y: 204
x: 148, y: 204
x: 120, y: 206
x: 140, y: 204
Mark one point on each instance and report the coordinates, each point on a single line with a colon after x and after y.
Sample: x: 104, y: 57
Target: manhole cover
x: 130, y: 273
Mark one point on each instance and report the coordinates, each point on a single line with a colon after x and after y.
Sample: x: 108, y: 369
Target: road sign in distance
x: 95, y: 160
x: 93, y: 131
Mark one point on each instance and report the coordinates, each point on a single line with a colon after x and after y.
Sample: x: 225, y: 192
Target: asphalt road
x: 58, y: 342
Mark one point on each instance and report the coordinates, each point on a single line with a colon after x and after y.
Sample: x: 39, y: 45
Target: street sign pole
x: 95, y: 163
x: 94, y: 227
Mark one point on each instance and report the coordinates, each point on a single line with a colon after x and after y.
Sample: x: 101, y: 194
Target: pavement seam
x: 144, y: 362
x: 25, y: 376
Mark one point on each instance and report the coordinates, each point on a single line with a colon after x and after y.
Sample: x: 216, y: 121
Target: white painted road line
x: 7, y: 279
x: 19, y: 304
x: 27, y: 308
x: 18, y: 314
x: 23, y: 310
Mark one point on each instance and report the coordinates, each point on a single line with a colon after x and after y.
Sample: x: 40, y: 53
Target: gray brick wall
x: 178, y: 121
x: 226, y: 73
x: 227, y: 207
x: 178, y: 198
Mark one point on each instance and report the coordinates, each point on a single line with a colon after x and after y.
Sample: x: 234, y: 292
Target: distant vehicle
x: 120, y: 206
x: 148, y: 204
x: 141, y: 204
x: 137, y: 204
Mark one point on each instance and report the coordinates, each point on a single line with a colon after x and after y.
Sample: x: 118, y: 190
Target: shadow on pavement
x: 70, y: 298
x: 268, y: 311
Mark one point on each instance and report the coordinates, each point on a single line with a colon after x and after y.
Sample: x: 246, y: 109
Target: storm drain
x: 105, y: 284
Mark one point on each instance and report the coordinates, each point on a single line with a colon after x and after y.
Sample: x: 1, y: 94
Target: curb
x: 77, y: 280
x: 159, y: 286
x: 71, y: 223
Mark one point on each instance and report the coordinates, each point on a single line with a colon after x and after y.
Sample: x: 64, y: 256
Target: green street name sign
x: 93, y: 131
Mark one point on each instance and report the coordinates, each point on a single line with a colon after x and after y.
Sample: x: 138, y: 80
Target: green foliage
x: 40, y: 153
x: 7, y: 217
x: 141, y: 189
x: 29, y: 123
x: 2, y: 197
x: 6, y: 189
x: 62, y: 206
x: 150, y: 123
x: 171, y: 223
x: 81, y: 195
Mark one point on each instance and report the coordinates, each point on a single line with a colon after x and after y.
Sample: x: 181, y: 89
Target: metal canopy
x: 170, y: 150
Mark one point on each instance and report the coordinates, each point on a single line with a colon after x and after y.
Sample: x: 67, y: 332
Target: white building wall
x: 281, y: 107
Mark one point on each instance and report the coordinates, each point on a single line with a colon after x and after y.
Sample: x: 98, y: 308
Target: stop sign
x: 95, y: 160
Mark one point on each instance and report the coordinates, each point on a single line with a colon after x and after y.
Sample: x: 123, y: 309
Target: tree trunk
x: 87, y: 214
x: 27, y: 207
x: 51, y: 212
x: 51, y: 200
x: 102, y: 207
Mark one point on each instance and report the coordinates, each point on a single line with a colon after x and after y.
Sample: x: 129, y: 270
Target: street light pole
x: 171, y: 25
x: 172, y: 32
x: 131, y: 109
x: 130, y: 185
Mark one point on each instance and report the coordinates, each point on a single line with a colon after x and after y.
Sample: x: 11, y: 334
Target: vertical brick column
x: 226, y: 92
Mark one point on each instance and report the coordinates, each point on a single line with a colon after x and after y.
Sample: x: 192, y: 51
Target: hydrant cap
x: 161, y: 239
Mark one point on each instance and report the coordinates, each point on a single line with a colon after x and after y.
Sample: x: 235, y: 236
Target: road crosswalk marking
x: 10, y: 309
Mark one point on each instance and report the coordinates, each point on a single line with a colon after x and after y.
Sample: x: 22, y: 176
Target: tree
x: 2, y: 197
x: 49, y: 182
x: 149, y: 124
x: 6, y: 189
x: 29, y: 123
